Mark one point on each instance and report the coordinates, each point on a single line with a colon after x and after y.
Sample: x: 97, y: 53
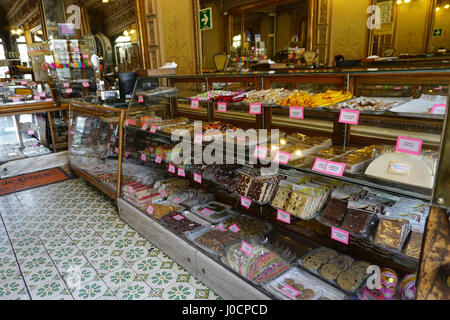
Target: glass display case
x: 343, y: 179
x: 95, y: 145
x: 28, y: 128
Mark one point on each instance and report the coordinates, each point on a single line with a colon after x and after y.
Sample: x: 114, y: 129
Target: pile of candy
x: 219, y: 96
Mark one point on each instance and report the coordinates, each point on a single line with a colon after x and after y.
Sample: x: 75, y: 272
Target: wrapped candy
x: 389, y: 282
x: 408, y: 287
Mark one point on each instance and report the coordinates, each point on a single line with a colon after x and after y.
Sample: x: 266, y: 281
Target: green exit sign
x: 438, y: 32
x: 206, y: 19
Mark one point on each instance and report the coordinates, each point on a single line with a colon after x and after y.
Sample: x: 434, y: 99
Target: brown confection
x: 390, y: 233
x: 414, y: 246
x: 329, y: 271
x: 306, y: 294
x: 335, y: 210
x: 281, y: 199
x: 216, y: 240
x: 243, y: 184
x: 355, y: 221
x: 289, y: 282
x: 348, y: 281
x: 298, y: 286
x: 248, y: 226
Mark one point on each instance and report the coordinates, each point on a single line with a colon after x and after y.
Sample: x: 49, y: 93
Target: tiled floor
x: 66, y: 241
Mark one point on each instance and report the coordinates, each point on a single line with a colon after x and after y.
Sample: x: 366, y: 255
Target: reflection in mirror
x: 440, y: 34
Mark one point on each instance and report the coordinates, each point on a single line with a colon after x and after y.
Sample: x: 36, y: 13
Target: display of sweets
x: 247, y: 225
x: 269, y: 96
x: 366, y: 104
x: 296, y: 284
x: 179, y: 223
x: 255, y: 187
x: 341, y: 270
x: 217, y: 95
x: 216, y: 240
x: 190, y: 197
x: 408, y: 287
x: 140, y: 194
x: 260, y: 266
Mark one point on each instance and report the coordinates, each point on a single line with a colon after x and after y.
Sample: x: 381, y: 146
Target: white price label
x: 255, y: 108
x: 247, y: 249
x: 340, y: 235
x: 283, y: 216
x: 222, y: 107
x: 291, y: 292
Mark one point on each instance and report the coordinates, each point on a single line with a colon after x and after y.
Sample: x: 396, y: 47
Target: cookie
x: 289, y: 282
x: 330, y: 253
x: 312, y: 263
x: 329, y: 271
x: 306, y: 294
x: 298, y: 287
x: 360, y: 266
x: 348, y: 281
x: 343, y: 262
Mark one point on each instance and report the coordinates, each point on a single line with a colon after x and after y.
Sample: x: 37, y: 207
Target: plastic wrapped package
x: 190, y: 197
x: 359, y: 222
x: 181, y: 223
x: 392, y: 233
x: 414, y: 246
x: 334, y: 212
x: 248, y: 226
x: 213, y: 212
x: 296, y: 284
x: 213, y: 240
x: 261, y: 265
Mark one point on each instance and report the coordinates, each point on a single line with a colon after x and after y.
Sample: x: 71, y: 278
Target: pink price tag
x: 30, y: 132
x: 245, y: 202
x: 85, y: 56
x: 255, y: 108
x: 76, y: 49
x: 158, y: 159
x: 36, y: 98
x: 207, y: 212
x: 282, y: 157
x: 153, y: 129
x: 439, y: 109
x: 163, y: 193
x: 260, y: 152
x: 222, y: 107
x: 349, y: 116
x: 144, y: 126
x: 85, y: 84
x: 296, y: 113
x: 49, y: 99
x: 66, y: 84
x: 111, y: 126
x: 176, y: 200
x: 116, y: 150
x: 408, y: 145
x: 69, y: 90
x: 198, y: 139
x: 181, y: 172
x: 143, y: 157
x: 335, y: 169
x: 24, y: 83
x: 150, y: 210
x: 178, y: 217
x: 283, y: 216
x: 319, y: 165
x: 171, y: 168
x: 195, y: 103
x: 14, y: 99
x: 126, y: 152
x: 140, y: 99
x: 42, y: 94
x: 291, y: 292
x: 247, y: 249
x: 234, y: 228
x: 2, y: 84
x: 197, y: 178
x: 131, y: 122
x: 339, y: 235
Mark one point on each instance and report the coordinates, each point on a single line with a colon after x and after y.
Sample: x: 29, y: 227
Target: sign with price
x: 172, y: 168
x: 283, y: 216
x: 291, y: 292
x: 408, y: 145
x: 282, y: 157
x: 245, y: 202
x: 222, y: 107
x: 150, y: 210
x: 195, y: 103
x: 234, y: 228
x: 255, y: 108
x: 197, y: 178
x: 349, y: 116
x: 247, y: 249
x: 181, y: 172
x: 296, y: 113
x: 439, y: 109
x: 260, y: 152
x: 339, y: 235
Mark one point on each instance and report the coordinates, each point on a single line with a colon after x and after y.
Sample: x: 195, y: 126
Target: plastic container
x: 212, y: 213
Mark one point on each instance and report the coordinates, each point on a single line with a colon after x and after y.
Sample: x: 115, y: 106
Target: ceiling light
x: 126, y: 33
x: 447, y: 6
x: 438, y: 9
x: 407, y: 1
x: 399, y: 1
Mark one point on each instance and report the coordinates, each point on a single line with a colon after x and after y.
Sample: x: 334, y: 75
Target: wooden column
x: 433, y: 283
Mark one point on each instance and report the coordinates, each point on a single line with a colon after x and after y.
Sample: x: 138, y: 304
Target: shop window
x: 2, y: 51
x: 23, y: 50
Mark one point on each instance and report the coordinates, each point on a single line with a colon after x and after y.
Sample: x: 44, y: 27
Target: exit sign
x: 206, y: 19
x: 438, y: 32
